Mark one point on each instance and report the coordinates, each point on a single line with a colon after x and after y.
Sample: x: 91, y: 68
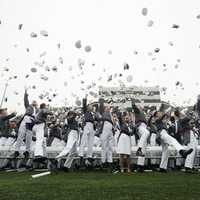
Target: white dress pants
x: 143, y: 133
x: 70, y: 149
x: 40, y: 145
x: 189, y: 162
x: 87, y: 140
x: 107, y: 143
x: 166, y: 141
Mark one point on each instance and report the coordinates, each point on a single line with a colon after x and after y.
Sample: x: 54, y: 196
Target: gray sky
x: 116, y: 25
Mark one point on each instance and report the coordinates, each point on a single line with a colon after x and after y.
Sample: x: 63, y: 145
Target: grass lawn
x: 96, y: 186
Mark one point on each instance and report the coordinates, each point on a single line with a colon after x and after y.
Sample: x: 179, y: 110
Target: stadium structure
x: 121, y: 97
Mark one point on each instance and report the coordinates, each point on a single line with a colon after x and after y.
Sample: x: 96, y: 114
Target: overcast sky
x: 114, y: 29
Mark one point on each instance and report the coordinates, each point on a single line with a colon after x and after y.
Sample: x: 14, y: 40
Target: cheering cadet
x: 166, y: 140
x: 87, y: 139
x: 143, y: 133
x: 55, y: 134
x: 10, y: 142
x: 124, y: 142
x: 25, y: 128
x: 71, y: 147
x: 4, y: 124
x: 190, y: 139
x: 106, y: 135
x: 116, y: 131
x: 39, y: 130
x: 4, y: 129
x: 153, y: 143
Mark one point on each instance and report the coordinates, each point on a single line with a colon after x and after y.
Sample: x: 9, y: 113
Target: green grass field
x: 96, y: 186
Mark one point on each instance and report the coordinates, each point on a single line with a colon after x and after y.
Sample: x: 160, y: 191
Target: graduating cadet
x: 55, y: 134
x: 87, y: 139
x: 39, y: 130
x: 124, y: 142
x: 185, y: 133
x: 143, y: 133
x: 4, y: 124
x: 106, y: 135
x: 25, y: 128
x: 4, y: 129
x: 116, y: 131
x: 10, y: 142
x: 153, y: 131
x: 166, y: 140
x: 190, y: 139
x: 70, y: 148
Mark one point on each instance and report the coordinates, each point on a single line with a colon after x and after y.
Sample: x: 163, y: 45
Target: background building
x: 148, y: 96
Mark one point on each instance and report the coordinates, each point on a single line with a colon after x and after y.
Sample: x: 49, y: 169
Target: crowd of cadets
x: 103, y: 126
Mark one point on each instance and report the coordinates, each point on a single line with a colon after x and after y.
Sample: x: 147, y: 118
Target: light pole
x: 4, y: 93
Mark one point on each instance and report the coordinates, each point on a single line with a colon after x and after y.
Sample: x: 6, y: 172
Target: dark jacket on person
x: 160, y: 124
x: 4, y: 124
x: 106, y: 116
x: 88, y: 116
x: 172, y: 130
x: 29, y: 108
x: 41, y: 117
x: 73, y: 124
x: 125, y: 128
x: 139, y: 116
x: 182, y: 133
x: 55, y: 132
x: 101, y: 117
x: 152, y: 125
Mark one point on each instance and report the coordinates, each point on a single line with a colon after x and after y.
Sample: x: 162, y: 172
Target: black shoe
x: 81, y: 161
x: 161, y: 170
x: 65, y: 169
x: 104, y: 165
x: 140, y: 169
x: 189, y: 171
x: 184, y: 153
x: 91, y: 160
x: 16, y: 154
x: 40, y: 160
x: 139, y: 152
x: 29, y: 168
x: 178, y: 168
x: 26, y: 154
x: 53, y: 165
x: 54, y: 162
x: 111, y: 167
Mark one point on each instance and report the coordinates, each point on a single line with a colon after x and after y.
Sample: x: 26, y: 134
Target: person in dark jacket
x: 39, y: 130
x: 87, y: 139
x: 4, y: 125
x: 106, y: 135
x: 70, y: 148
x: 143, y: 133
x: 55, y: 134
x: 11, y: 138
x: 166, y: 140
x: 124, y: 142
x: 25, y: 127
x: 190, y: 139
